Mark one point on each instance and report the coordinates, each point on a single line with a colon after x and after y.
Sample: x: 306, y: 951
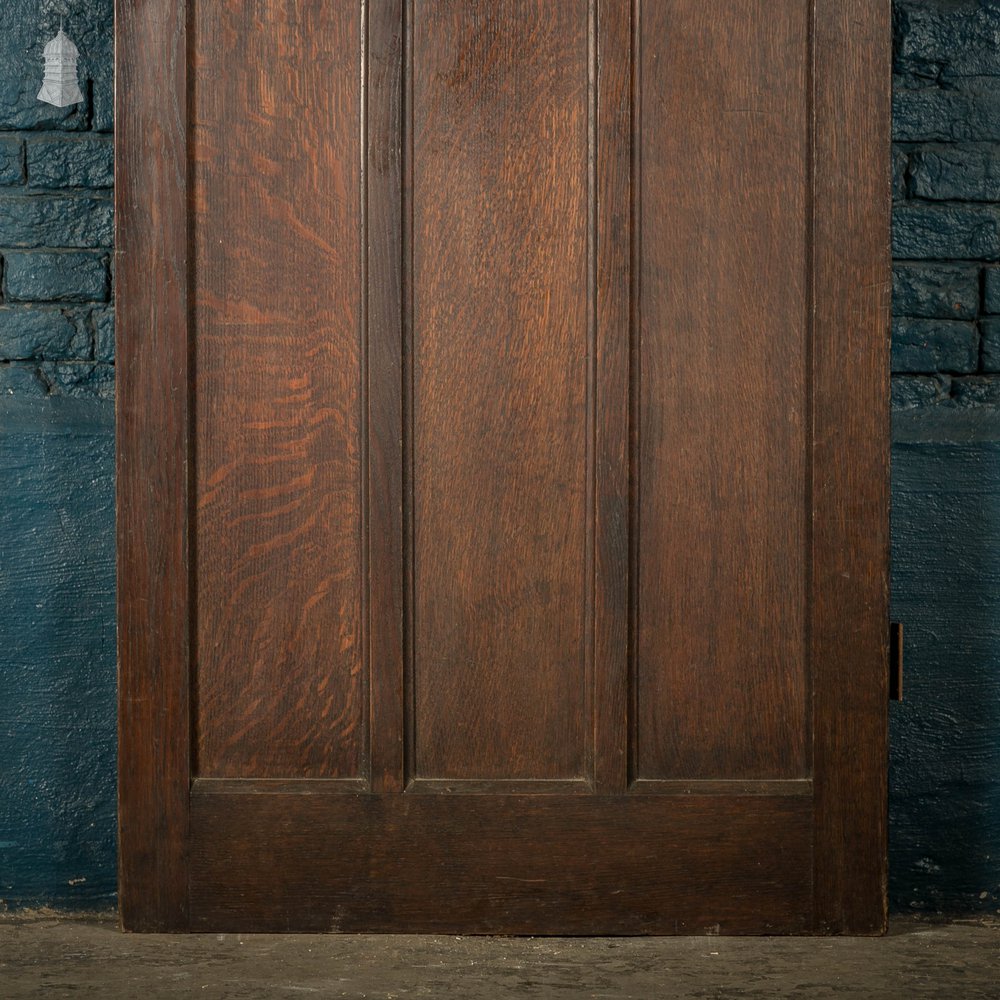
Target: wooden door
x: 503, y: 464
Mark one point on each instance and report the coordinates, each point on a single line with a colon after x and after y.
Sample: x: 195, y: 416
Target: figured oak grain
x: 500, y: 350
x: 276, y: 148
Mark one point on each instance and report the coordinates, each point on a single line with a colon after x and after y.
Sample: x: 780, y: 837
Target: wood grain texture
x: 502, y: 396
x: 534, y: 354
x: 152, y: 463
x: 280, y: 404
x: 850, y: 433
x: 537, y: 864
x: 723, y: 325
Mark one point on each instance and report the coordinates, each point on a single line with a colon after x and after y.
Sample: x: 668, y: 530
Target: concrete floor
x: 46, y: 956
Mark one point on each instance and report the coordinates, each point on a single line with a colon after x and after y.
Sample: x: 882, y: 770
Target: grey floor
x: 45, y: 956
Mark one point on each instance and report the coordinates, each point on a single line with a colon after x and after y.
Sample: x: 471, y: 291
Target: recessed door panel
x: 275, y: 164
x: 500, y: 340
x: 722, y: 382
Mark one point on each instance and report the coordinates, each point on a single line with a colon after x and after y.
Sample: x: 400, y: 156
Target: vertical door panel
x: 722, y: 476
x: 500, y: 409
x: 276, y: 149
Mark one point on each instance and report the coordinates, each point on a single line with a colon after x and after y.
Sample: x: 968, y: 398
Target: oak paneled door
x: 503, y: 464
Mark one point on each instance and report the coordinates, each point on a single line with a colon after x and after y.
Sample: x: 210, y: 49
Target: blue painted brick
x: 55, y: 221
x: 62, y: 379
x: 911, y: 392
x: 935, y: 291
x: 991, y: 344
x: 11, y: 161
x: 933, y: 345
x: 947, y: 39
x: 945, y: 115
x: 976, y: 391
x: 900, y: 168
x: 84, y: 161
x: 103, y: 321
x: 91, y: 23
x: 992, y: 290
x: 955, y: 231
x: 19, y: 104
x: 27, y: 26
x: 956, y: 173
x: 56, y: 277
x: 78, y: 379
x: 33, y: 332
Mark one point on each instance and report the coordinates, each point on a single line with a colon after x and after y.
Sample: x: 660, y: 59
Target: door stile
x: 850, y: 442
x: 153, y: 463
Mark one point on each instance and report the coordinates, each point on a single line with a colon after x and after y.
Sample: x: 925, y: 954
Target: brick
x: 900, y: 167
x: 92, y: 22
x: 27, y: 26
x: 51, y: 378
x: 103, y: 117
x: 934, y: 345
x: 912, y: 391
x: 55, y: 221
x: 103, y: 321
x: 991, y: 344
x: 31, y: 332
x: 958, y: 232
x: 11, y: 161
x: 957, y: 173
x: 991, y: 302
x: 958, y: 38
x: 56, y: 277
x: 991, y: 290
x: 933, y: 114
x: 935, y: 291
x: 75, y: 379
x: 70, y: 161
x: 19, y: 104
x: 976, y: 391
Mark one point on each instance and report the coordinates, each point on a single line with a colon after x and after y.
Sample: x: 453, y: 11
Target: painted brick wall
x: 56, y: 179
x: 945, y: 738
x: 946, y: 163
x: 57, y: 674
x: 57, y: 626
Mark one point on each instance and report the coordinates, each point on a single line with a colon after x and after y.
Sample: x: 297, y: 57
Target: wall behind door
x: 57, y: 629
x: 945, y: 739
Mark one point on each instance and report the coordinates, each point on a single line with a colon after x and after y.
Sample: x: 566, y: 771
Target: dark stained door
x: 503, y: 465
